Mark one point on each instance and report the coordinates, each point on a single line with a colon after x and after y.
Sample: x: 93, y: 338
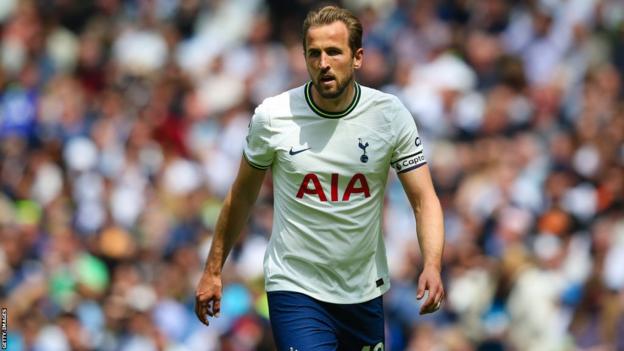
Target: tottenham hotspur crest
x: 363, y: 146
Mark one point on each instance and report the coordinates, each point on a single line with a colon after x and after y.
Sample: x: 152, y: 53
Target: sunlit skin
x: 331, y: 65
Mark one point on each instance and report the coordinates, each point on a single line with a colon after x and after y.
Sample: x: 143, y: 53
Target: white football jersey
x: 329, y: 176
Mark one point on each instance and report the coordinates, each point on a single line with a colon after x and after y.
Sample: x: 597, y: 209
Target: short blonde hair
x: 331, y: 14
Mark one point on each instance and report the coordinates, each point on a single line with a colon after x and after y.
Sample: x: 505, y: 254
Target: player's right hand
x: 208, y: 297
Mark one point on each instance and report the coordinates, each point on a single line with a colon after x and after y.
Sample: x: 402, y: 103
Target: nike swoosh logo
x: 294, y: 152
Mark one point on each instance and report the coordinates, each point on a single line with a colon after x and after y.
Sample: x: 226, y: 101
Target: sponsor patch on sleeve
x: 409, y: 163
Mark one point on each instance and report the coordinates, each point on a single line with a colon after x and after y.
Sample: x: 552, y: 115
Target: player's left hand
x: 431, y: 281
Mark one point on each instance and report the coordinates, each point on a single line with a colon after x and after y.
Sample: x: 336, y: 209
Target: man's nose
x: 324, y: 63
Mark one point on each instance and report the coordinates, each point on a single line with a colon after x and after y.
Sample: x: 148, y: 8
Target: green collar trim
x: 327, y: 114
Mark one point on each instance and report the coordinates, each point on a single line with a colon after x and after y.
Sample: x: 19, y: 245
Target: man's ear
x: 357, y: 58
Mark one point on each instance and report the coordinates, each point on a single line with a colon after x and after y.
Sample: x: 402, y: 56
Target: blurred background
x: 121, y: 129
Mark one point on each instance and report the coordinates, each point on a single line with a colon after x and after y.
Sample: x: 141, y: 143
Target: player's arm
x: 428, y: 212
x: 232, y: 218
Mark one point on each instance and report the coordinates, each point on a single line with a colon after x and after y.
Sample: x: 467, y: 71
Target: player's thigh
x: 360, y: 326
x: 300, y: 323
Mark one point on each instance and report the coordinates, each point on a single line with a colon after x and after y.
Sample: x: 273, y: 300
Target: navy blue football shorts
x: 301, y: 323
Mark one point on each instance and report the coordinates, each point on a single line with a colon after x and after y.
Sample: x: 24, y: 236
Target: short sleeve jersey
x: 329, y: 176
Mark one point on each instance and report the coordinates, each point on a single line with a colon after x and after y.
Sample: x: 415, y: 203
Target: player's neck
x: 337, y: 104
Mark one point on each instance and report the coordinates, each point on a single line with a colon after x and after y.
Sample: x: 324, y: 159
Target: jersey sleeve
x: 258, y: 150
x: 408, y: 149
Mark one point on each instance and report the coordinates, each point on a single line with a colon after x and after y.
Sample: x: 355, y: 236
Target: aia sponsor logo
x: 311, y: 186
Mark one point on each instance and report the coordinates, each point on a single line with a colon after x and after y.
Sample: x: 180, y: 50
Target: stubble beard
x: 339, y: 89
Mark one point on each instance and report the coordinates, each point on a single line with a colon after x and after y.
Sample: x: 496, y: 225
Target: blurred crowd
x: 121, y: 129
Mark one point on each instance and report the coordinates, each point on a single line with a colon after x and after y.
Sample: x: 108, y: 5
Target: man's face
x: 329, y: 59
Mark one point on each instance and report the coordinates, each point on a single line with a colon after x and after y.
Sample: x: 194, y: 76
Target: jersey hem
x: 255, y: 165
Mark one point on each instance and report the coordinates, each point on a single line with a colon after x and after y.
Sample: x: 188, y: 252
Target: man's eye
x: 313, y: 53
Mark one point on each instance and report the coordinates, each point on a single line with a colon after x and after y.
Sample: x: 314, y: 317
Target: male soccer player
x: 329, y: 144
